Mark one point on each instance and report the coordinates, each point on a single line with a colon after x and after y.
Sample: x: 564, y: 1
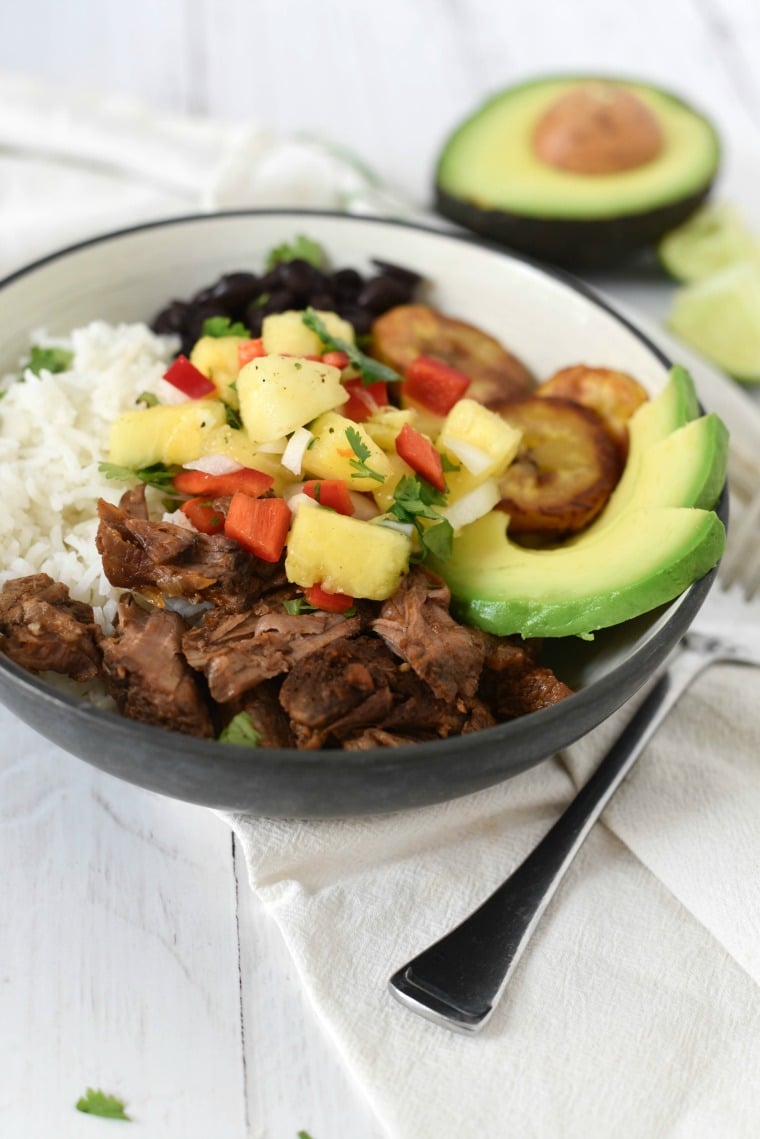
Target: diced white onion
x: 473, y: 458
x: 364, y: 505
x: 178, y: 518
x: 296, y: 501
x: 472, y: 505
x: 292, y: 456
x: 406, y: 528
x: 214, y: 465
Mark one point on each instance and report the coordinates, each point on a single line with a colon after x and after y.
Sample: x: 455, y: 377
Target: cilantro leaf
x: 220, y: 326
x: 303, y: 1135
x: 96, y: 1102
x: 371, y: 371
x: 48, y: 359
x: 148, y: 398
x: 362, y: 452
x: 438, y: 539
x: 157, y: 475
x: 302, y: 248
x: 240, y: 730
x: 297, y: 605
x: 415, y: 502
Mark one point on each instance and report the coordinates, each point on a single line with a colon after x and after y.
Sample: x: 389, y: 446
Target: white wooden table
x: 133, y: 955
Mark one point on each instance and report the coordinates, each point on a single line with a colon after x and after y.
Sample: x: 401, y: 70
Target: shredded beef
x: 266, y: 713
x: 416, y: 624
x: 236, y: 651
x: 146, y: 673
x: 513, y: 683
x: 157, y: 558
x: 43, y: 629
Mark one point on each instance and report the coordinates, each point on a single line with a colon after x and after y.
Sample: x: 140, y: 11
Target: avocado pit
x: 598, y: 128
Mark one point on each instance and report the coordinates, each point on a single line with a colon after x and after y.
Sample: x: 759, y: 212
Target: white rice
x: 53, y: 434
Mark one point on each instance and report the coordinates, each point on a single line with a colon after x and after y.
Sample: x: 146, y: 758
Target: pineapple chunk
x: 384, y: 425
x: 166, y: 433
x: 285, y: 334
x: 330, y: 455
x: 345, y: 555
x: 280, y: 393
x: 478, y: 439
x: 237, y: 445
x: 217, y: 358
x: 383, y: 492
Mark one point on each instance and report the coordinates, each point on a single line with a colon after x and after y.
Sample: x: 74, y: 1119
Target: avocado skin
x: 583, y: 244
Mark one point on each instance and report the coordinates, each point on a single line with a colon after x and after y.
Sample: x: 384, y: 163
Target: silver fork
x: 458, y: 981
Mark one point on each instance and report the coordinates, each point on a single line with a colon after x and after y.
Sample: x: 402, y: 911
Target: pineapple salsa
x: 289, y: 442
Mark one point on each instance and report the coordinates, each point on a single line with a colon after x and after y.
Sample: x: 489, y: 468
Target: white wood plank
x: 294, y: 1075
x: 118, y: 954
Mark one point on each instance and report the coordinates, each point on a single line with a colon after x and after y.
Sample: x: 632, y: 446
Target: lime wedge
x: 720, y: 318
x: 714, y: 238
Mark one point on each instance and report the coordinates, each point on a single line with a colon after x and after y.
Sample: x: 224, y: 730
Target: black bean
x: 382, y: 293
x: 323, y: 301
x: 279, y: 301
x: 347, y: 283
x: 360, y: 318
x: 171, y: 320
x: 236, y: 290
x: 193, y: 328
x: 398, y: 271
x: 254, y: 318
x: 301, y: 278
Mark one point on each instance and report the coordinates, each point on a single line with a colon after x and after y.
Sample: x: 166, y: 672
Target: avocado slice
x: 490, y: 178
x: 657, y: 535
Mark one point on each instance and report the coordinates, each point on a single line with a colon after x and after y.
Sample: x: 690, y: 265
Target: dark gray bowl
x: 546, y: 318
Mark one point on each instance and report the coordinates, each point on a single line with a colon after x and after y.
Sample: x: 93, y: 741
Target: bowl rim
x: 421, y: 754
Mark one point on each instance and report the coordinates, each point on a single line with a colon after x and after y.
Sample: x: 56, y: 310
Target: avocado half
x: 490, y: 179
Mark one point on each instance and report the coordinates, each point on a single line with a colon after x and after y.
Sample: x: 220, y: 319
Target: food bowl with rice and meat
x: 311, y: 515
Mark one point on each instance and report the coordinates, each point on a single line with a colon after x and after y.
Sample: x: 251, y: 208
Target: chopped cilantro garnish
x: 157, y: 475
x: 414, y: 500
x: 300, y: 249
x: 48, y: 360
x: 448, y: 464
x: 303, y: 1135
x: 362, y: 452
x: 240, y: 730
x: 298, y: 605
x: 233, y: 417
x: 96, y: 1102
x: 220, y: 326
x: 371, y: 371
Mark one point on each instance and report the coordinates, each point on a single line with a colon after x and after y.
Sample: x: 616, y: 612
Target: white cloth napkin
x: 635, y: 1011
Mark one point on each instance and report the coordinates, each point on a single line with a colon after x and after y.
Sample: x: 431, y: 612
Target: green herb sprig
x: 415, y: 502
x: 221, y: 326
x: 97, y: 1102
x: 362, y: 452
x: 302, y: 248
x: 158, y: 475
x: 240, y: 730
x: 371, y: 371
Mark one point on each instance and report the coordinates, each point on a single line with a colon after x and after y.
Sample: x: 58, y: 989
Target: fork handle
x: 458, y: 981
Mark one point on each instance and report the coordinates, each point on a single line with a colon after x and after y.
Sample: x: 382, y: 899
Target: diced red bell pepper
x: 363, y: 399
x: 260, y: 525
x: 188, y: 379
x: 250, y: 350
x: 437, y: 386
x: 418, y: 451
x: 330, y: 492
x: 330, y: 602
x: 203, y: 515
x: 247, y: 480
x: 337, y: 359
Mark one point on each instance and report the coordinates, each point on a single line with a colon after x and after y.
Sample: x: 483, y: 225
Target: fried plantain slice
x: 612, y: 395
x: 408, y: 331
x: 565, y: 470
